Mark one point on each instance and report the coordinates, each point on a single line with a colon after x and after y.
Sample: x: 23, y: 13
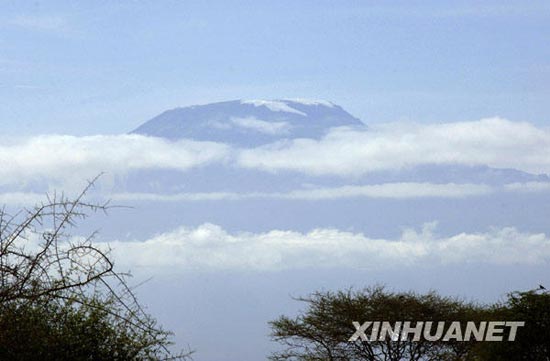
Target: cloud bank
x: 385, y: 190
x: 209, y: 247
x: 70, y: 159
x: 395, y: 191
x: 342, y: 152
x: 495, y: 142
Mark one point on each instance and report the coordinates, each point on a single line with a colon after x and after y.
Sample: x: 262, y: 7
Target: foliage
x: 61, y: 297
x: 322, y: 331
x: 533, y: 340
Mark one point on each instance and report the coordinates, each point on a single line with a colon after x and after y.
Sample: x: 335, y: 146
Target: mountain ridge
x: 250, y: 122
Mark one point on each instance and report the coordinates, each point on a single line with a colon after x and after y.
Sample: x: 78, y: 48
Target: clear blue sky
x: 105, y: 67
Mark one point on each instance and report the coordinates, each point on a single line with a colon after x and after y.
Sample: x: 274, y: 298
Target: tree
x: 321, y: 332
x: 61, y: 297
x: 532, y: 342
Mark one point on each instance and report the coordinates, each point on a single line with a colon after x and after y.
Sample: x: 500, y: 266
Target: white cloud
x: 70, y: 159
x: 394, y: 191
x: 495, y: 142
x: 528, y: 187
x: 211, y: 247
x: 181, y: 197
x: 386, y: 190
x: 65, y: 160
x: 261, y: 125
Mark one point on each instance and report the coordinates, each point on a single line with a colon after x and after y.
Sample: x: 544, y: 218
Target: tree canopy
x: 61, y: 297
x: 322, y: 331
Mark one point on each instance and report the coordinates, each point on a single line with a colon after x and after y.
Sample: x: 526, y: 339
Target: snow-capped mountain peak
x: 250, y: 122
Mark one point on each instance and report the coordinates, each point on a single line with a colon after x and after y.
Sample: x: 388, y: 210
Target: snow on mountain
x: 273, y: 105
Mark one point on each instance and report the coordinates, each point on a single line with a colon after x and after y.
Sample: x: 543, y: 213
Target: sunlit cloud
x: 210, y: 247
x: 495, y: 142
x: 61, y: 159
x: 67, y: 160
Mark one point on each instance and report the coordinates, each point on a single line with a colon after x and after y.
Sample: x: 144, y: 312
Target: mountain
x: 240, y: 198
x: 249, y: 122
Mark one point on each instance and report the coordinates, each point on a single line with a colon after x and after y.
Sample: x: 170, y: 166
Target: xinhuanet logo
x: 371, y: 331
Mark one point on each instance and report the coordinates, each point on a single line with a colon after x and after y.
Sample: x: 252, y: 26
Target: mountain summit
x: 249, y: 122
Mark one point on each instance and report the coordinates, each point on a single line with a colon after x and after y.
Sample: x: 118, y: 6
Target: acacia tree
x: 321, y: 332
x: 61, y: 298
x: 533, y: 341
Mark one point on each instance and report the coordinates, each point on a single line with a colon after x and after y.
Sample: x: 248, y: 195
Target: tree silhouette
x: 61, y: 297
x: 321, y: 332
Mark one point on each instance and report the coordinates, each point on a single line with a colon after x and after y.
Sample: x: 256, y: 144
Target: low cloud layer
x: 395, y: 191
x: 385, y: 190
x: 343, y: 152
x: 70, y: 159
x: 495, y: 142
x: 209, y: 247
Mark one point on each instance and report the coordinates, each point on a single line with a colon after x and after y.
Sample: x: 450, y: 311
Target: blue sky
x: 106, y: 67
